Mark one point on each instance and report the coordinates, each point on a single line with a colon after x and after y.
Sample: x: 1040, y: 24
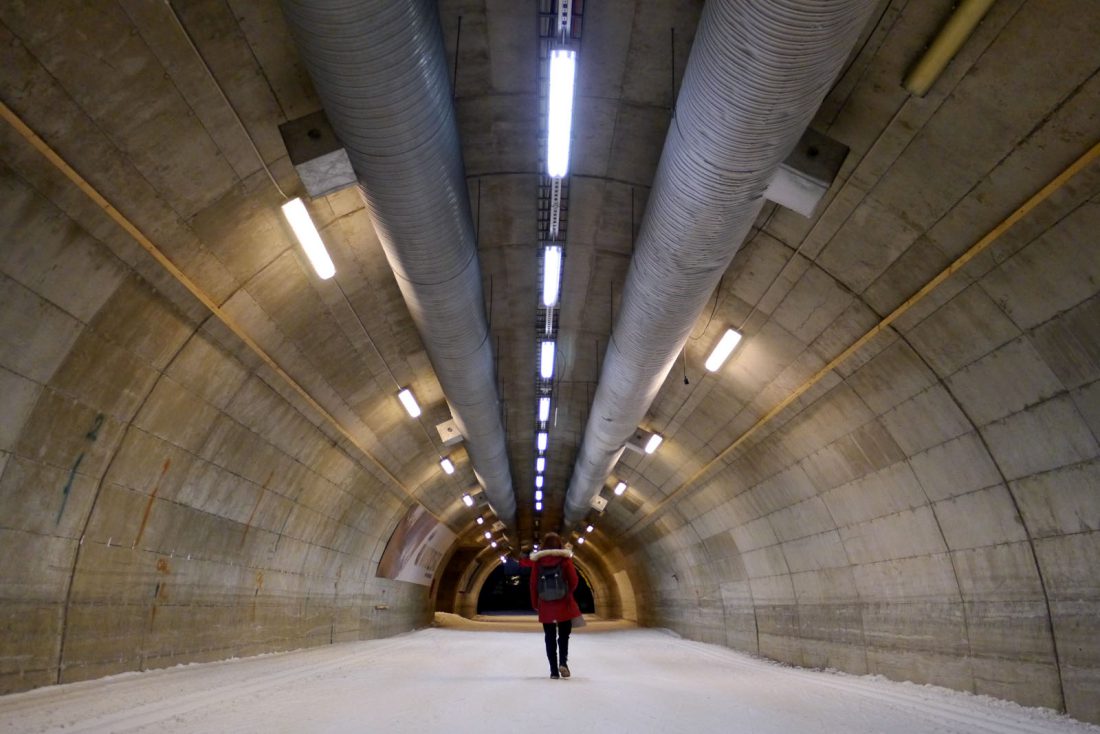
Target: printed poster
x: 415, y: 549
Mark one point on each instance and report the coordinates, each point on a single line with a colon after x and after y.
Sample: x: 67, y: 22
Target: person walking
x: 553, y: 581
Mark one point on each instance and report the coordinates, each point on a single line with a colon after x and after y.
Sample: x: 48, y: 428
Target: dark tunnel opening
x: 506, y: 591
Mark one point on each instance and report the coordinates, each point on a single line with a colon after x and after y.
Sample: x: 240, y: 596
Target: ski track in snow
x: 467, y: 680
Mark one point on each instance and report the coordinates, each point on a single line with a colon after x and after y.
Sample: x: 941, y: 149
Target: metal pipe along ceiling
x: 757, y: 73
x: 380, y: 71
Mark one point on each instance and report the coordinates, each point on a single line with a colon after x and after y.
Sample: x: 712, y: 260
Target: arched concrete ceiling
x: 927, y: 510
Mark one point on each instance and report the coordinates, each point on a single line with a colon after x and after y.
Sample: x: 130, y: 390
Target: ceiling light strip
x: 1091, y: 155
x: 146, y: 244
x: 557, y: 72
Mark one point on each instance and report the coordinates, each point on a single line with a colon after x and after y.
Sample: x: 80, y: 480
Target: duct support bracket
x: 448, y: 432
x: 806, y: 175
x: 317, y: 154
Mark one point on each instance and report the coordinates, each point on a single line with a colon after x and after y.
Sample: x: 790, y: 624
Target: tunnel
x: 316, y: 318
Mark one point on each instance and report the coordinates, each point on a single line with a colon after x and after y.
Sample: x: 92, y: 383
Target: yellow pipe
x: 950, y: 39
x: 1087, y: 159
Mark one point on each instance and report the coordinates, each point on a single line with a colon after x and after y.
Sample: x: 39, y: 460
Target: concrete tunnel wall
x: 930, y: 512
x: 163, y: 502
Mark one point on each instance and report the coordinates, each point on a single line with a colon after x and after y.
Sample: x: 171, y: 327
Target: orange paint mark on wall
x: 149, y: 504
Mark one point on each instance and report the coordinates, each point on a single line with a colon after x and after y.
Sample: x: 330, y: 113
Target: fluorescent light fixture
x: 653, y: 442
x: 540, y: 464
x: 488, y: 535
x: 589, y: 529
x: 295, y: 213
x: 538, y: 495
x: 538, y: 481
x: 722, y: 350
x: 538, y: 507
x: 407, y: 399
x: 551, y: 274
x: 541, y: 440
x: 563, y: 65
x: 620, y: 488
x: 546, y: 366
x: 544, y: 409
x: 580, y: 541
x: 493, y: 544
x: 480, y: 520
x: 447, y: 464
x: 469, y: 502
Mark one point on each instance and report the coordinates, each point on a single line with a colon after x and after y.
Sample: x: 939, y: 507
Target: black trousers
x: 557, y: 643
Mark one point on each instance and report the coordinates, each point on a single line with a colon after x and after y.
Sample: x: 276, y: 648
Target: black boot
x: 550, y: 633
x: 564, y: 628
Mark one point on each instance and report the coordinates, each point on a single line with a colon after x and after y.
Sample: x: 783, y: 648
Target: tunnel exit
x: 506, y: 591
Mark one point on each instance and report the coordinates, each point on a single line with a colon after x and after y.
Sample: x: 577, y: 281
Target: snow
x: 466, y: 676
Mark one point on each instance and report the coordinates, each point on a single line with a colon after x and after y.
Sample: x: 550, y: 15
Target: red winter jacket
x: 562, y: 609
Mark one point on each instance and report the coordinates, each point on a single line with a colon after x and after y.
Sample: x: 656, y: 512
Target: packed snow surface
x: 466, y: 676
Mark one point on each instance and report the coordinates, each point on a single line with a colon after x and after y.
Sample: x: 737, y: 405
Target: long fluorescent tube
x: 541, y: 440
x: 544, y: 409
x: 448, y: 465
x: 469, y: 502
x: 308, y: 237
x: 653, y: 442
x: 546, y: 366
x: 551, y: 274
x: 540, y: 464
x: 538, y: 507
x: 563, y: 65
x: 620, y: 488
x: 722, y: 350
x: 407, y: 399
x: 538, y: 481
x: 538, y: 495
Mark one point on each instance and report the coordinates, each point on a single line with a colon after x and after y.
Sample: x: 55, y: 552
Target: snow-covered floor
x: 492, y: 677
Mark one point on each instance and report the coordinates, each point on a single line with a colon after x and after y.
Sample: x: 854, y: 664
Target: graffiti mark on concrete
x: 90, y: 436
x: 160, y: 591
x: 149, y: 503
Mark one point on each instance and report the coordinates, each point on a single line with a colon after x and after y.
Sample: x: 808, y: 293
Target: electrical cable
x: 236, y: 116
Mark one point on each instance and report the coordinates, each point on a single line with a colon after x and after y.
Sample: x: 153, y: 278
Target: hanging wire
x: 385, y: 364
x: 713, y: 311
x: 236, y: 116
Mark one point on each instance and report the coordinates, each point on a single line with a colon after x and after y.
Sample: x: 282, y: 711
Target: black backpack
x: 551, y: 584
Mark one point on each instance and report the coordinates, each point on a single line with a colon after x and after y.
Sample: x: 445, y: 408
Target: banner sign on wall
x: 416, y: 547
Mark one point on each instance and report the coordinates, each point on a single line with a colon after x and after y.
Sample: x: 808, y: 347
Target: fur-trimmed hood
x: 561, y: 553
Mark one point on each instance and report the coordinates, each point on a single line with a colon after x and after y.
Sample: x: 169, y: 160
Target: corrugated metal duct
x: 381, y: 72
x: 757, y: 73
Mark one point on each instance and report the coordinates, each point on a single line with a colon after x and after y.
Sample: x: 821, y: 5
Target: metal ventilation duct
x: 380, y: 71
x: 757, y: 73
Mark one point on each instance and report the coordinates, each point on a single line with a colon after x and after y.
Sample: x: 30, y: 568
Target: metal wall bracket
x: 317, y: 155
x: 807, y: 173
